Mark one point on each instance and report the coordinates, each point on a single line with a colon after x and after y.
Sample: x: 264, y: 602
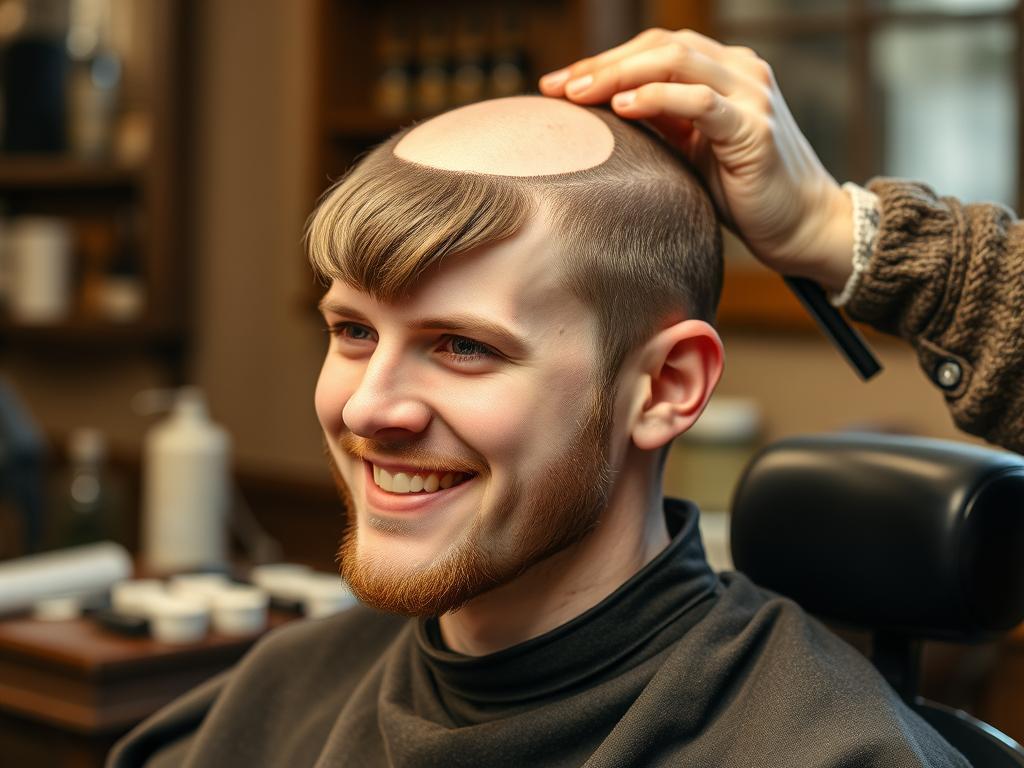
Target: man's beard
x: 528, y: 524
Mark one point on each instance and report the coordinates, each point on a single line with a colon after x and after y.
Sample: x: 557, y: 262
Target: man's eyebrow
x: 327, y: 304
x: 511, y: 343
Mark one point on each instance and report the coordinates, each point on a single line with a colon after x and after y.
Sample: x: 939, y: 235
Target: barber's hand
x: 721, y: 107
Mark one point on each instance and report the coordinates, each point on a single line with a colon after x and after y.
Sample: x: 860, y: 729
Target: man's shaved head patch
x: 516, y: 136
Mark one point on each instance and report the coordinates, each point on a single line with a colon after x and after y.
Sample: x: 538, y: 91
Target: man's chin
x: 440, y: 586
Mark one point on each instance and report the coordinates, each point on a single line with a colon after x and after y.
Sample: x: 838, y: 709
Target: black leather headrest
x: 906, y: 535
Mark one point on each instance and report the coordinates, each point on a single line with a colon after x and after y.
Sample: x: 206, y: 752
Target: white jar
x: 133, y: 597
x: 178, y: 620
x: 240, y: 610
x: 325, y: 594
x: 39, y: 253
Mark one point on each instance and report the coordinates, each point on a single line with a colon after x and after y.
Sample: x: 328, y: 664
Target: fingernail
x: 555, y: 79
x: 580, y: 84
x: 624, y: 99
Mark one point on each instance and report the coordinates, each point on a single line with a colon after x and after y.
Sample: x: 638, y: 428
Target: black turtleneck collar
x: 642, y: 617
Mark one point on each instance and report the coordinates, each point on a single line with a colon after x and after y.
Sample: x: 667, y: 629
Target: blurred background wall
x: 259, y: 343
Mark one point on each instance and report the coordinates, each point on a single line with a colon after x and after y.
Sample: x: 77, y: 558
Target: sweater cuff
x: 901, y: 291
x: 865, y: 231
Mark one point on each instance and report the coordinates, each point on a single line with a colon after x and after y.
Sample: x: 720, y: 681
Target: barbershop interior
x: 165, y: 494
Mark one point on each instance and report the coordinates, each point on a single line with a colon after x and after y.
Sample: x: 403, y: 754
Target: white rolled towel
x: 77, y: 571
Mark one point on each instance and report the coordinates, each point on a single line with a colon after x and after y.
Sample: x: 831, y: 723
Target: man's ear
x: 681, y: 366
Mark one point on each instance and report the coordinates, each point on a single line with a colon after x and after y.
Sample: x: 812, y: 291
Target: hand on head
x: 721, y: 107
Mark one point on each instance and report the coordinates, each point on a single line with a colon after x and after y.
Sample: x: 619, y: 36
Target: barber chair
x: 910, y: 539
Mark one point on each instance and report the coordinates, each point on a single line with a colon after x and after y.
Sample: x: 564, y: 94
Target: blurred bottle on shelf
x: 90, y: 499
x: 39, y: 252
x: 457, y: 54
x: 23, y: 471
x: 111, y: 286
x: 123, y: 298
x: 12, y: 19
x: 432, y: 82
x: 5, y: 261
x: 509, y: 61
x: 134, y: 136
x: 34, y: 75
x: 96, y: 250
x: 392, y: 91
x: 469, y: 80
x: 94, y: 80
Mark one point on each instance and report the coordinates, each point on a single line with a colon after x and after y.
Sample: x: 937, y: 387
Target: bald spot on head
x: 515, y: 136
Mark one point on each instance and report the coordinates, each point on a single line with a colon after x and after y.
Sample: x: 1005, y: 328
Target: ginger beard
x: 527, y: 524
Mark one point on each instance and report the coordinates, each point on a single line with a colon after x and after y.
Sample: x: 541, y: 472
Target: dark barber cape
x: 679, y: 666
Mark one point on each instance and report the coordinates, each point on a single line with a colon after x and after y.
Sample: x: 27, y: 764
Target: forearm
x: 949, y: 278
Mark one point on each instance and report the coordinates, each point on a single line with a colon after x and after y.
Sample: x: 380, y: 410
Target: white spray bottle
x: 186, y: 489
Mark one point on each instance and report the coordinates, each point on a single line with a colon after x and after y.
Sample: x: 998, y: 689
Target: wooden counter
x: 69, y: 689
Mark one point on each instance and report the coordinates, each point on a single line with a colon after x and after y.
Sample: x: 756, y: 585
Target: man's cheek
x: 510, y: 435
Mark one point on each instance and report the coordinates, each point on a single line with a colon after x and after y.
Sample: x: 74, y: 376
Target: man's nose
x: 386, y: 401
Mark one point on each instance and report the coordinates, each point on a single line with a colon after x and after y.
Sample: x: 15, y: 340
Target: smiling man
x: 520, y: 303
x: 486, y: 372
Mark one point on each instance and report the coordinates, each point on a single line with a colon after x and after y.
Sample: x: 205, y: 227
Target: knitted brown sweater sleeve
x: 949, y: 278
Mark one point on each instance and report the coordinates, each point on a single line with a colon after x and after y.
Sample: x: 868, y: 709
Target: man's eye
x: 351, y: 331
x: 463, y: 349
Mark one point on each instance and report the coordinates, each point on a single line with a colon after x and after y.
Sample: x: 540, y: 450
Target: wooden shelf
x: 91, y: 333
x: 60, y: 172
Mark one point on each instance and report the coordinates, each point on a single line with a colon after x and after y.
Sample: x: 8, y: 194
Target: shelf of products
x: 88, y: 333
x: 58, y: 173
x: 90, y: 176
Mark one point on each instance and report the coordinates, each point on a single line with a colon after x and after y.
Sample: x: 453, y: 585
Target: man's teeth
x: 403, y: 482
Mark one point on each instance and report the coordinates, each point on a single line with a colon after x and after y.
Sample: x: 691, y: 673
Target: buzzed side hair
x: 636, y: 237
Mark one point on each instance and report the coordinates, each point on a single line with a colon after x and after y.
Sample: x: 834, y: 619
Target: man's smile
x: 411, y: 490
x: 416, y: 481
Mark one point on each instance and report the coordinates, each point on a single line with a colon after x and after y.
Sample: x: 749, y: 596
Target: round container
x: 283, y: 581
x: 325, y: 594
x: 134, y: 597
x: 178, y: 620
x: 202, y: 586
x: 240, y: 610
x: 57, y: 609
